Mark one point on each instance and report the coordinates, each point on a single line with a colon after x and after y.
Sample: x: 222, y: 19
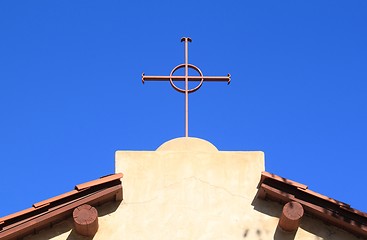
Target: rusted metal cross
x: 171, y: 78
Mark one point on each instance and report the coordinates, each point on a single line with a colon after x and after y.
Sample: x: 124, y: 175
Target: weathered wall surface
x: 187, y: 189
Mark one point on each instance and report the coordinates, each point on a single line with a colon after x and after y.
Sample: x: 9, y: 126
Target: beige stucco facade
x: 187, y: 189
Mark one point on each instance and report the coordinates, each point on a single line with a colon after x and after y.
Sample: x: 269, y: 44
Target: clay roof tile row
x: 329, y: 210
x: 55, y: 209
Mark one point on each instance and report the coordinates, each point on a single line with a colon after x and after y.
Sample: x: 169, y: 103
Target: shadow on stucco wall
x: 67, y: 224
x: 103, y: 210
x: 316, y: 227
x: 108, y: 208
x: 75, y: 236
x: 282, y: 235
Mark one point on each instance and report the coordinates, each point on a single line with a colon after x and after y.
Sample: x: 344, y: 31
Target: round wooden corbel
x: 85, y: 220
x: 291, y: 216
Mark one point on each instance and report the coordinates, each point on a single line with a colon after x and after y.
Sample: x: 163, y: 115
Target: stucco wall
x: 187, y: 189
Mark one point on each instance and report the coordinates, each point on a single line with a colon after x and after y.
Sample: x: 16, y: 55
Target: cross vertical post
x: 171, y: 78
x: 186, y: 85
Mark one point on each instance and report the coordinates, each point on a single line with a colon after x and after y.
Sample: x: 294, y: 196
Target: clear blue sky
x: 71, y: 91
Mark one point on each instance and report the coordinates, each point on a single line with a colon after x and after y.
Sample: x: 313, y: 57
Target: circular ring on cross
x: 188, y: 90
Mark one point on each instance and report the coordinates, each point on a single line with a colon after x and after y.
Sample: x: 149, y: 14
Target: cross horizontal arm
x: 190, y: 78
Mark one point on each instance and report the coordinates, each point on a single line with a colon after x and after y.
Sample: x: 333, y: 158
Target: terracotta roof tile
x: 327, y: 209
x: 48, y: 201
x: 57, y: 208
x: 102, y: 180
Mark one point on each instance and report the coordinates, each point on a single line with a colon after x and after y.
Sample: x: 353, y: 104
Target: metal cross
x: 187, y: 78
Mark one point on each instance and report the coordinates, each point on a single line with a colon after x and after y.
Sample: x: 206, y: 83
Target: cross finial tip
x: 142, y: 77
x: 229, y: 78
x: 186, y: 39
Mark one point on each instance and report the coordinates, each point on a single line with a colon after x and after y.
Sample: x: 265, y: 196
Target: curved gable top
x: 184, y: 144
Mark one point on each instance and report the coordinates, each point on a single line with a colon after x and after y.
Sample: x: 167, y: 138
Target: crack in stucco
x: 181, y: 182
x: 219, y: 187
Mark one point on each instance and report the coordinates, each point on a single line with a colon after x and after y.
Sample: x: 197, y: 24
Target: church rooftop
x: 45, y: 213
x: 282, y: 190
x: 109, y: 188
